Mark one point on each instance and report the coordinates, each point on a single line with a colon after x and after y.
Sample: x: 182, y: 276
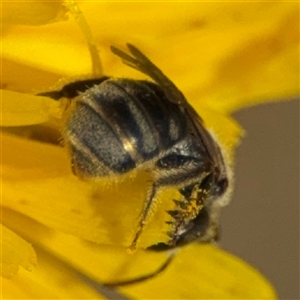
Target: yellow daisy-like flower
x: 63, y: 237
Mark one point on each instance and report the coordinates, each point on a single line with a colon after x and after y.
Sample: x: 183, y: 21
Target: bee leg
x: 144, y: 216
x: 143, y: 277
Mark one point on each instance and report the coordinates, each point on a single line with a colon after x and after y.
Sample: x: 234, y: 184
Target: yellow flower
x: 223, y: 56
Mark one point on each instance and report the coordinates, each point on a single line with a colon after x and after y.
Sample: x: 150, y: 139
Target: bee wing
x: 142, y: 63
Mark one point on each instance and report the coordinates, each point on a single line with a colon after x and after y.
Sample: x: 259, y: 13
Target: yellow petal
x: 16, y: 252
x: 262, y: 68
x: 23, y: 78
x: 197, y: 272
x: 49, y: 281
x: 31, y: 13
x: 23, y: 287
x: 22, y: 109
x: 43, y: 187
x: 235, y: 54
x: 53, y: 279
x: 209, y: 273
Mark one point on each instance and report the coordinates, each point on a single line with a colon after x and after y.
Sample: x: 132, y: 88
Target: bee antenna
x: 143, y: 277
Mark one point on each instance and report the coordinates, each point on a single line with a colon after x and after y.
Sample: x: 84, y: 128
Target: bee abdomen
x: 120, y: 124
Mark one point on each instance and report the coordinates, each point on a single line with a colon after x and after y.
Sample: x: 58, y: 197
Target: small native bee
x: 121, y: 124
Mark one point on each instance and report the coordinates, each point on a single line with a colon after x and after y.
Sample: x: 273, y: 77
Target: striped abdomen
x: 120, y: 124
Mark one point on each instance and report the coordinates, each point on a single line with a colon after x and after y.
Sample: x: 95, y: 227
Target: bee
x: 119, y: 124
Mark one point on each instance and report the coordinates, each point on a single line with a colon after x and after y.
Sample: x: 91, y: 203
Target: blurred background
x: 261, y: 225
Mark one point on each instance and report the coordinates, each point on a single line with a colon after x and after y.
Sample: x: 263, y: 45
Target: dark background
x: 261, y: 225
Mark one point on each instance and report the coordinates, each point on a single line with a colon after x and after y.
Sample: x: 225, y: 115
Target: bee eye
x: 215, y: 185
x: 221, y: 186
x: 173, y: 161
